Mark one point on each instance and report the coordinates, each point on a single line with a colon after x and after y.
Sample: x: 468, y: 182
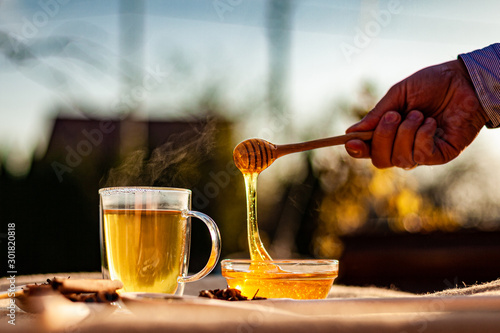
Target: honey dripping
x: 269, y: 280
x: 257, y: 250
x: 251, y: 164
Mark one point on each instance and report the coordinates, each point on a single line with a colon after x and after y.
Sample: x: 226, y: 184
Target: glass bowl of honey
x: 296, y: 279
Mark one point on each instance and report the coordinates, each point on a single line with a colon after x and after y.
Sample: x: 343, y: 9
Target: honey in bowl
x: 261, y: 275
x: 296, y: 279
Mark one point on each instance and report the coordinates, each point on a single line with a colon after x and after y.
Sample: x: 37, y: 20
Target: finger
x: 383, y: 139
x: 402, y: 155
x: 424, y: 149
x: 368, y: 123
x: 393, y: 100
x: 357, y: 148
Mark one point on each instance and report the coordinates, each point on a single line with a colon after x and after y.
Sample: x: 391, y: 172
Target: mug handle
x: 214, y: 254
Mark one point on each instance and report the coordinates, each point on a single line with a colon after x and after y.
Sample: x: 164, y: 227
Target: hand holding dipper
x: 256, y: 155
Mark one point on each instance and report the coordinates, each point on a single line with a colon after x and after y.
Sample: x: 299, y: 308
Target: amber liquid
x: 270, y: 280
x: 281, y: 285
x: 257, y: 250
x: 145, y: 248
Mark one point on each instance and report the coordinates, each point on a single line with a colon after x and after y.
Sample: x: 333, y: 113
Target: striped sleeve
x: 484, y: 69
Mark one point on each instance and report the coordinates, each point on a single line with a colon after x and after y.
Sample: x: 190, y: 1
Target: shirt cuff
x: 484, y: 69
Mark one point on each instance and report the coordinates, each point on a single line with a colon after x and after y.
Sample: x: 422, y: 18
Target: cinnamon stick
x: 69, y: 286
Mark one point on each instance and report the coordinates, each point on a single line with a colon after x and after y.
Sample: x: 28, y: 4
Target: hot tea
x: 145, y: 248
x: 145, y: 238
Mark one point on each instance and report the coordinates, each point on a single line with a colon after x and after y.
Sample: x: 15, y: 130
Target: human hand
x: 426, y: 119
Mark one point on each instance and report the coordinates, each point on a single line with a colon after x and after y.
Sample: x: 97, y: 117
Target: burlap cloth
x: 347, y: 309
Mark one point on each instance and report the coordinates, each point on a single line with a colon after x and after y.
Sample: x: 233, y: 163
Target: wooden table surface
x: 347, y: 309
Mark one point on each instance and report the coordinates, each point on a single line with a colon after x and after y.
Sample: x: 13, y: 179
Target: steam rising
x: 176, y: 163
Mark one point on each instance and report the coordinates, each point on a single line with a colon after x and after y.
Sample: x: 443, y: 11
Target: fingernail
x: 353, y: 152
x: 391, y: 117
x: 428, y: 121
x: 414, y: 116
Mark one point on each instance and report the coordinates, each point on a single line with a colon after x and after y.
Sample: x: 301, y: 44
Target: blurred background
x: 158, y: 93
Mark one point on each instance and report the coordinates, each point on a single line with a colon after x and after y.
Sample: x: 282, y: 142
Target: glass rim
x: 141, y: 189
x: 281, y: 261
x: 279, y: 268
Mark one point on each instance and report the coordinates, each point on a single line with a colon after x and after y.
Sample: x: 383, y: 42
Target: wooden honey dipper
x: 256, y: 155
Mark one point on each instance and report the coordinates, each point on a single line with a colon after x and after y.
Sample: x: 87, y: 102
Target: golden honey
x: 257, y: 249
x: 265, y: 277
x: 292, y: 279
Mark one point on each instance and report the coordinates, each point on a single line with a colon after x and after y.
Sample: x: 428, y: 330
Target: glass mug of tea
x: 145, y: 238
